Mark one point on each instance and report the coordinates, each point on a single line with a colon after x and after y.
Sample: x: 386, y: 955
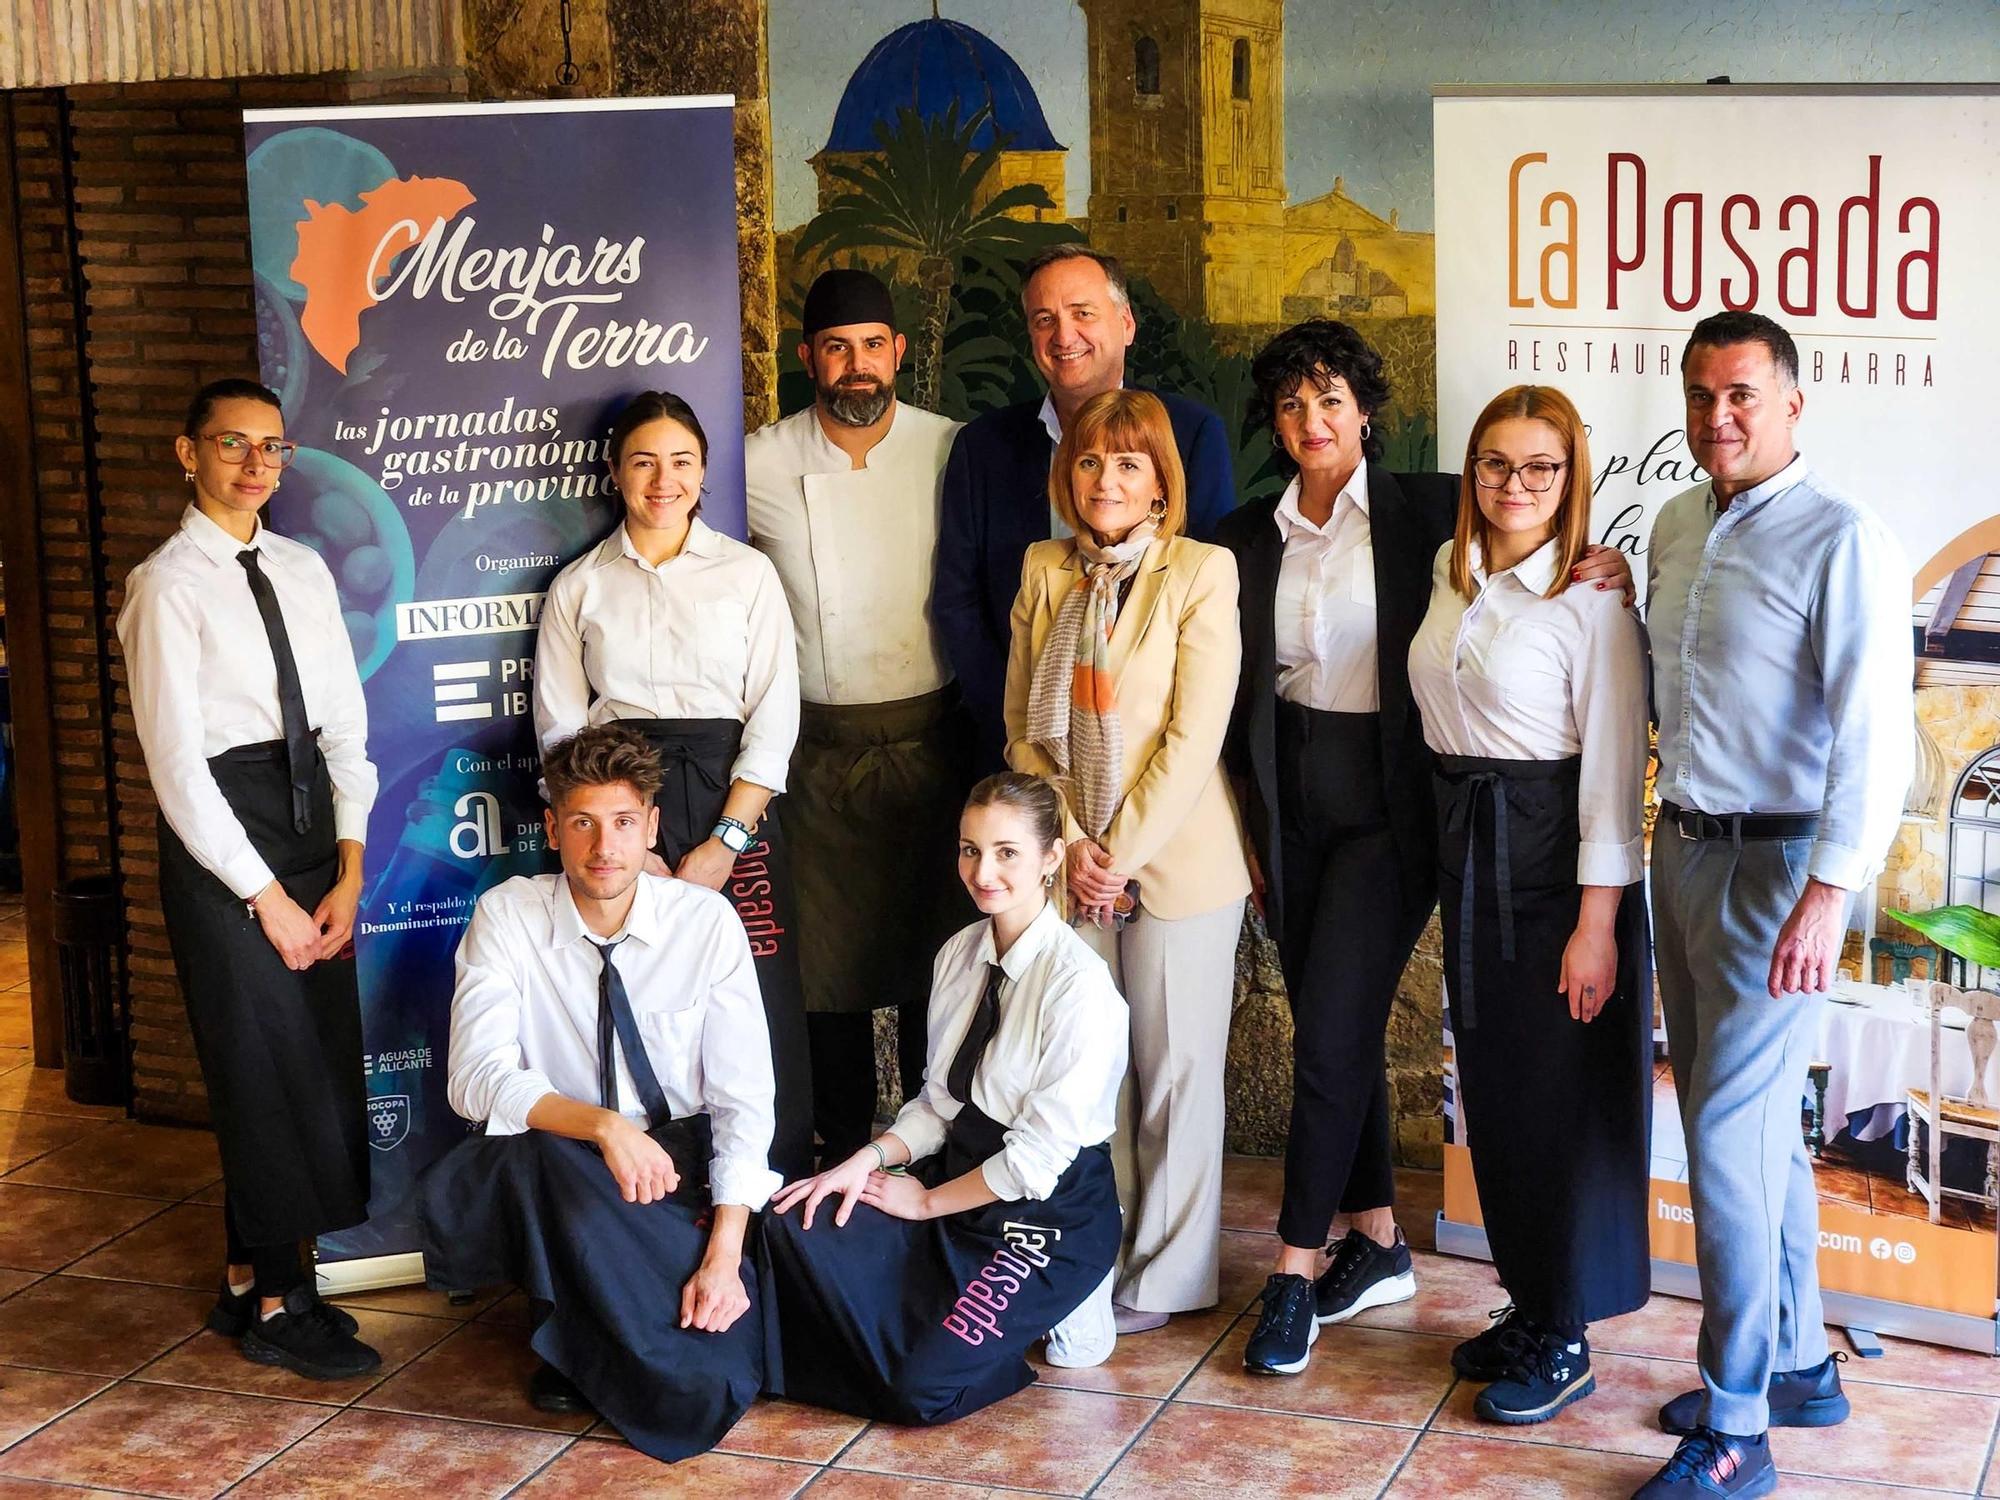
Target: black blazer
x: 1410, y: 516
x: 995, y: 505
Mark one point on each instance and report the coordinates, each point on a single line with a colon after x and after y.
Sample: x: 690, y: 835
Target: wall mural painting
x: 938, y: 169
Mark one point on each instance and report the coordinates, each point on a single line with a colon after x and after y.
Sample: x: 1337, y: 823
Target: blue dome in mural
x: 931, y: 65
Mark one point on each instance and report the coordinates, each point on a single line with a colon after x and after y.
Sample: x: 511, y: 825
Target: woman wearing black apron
x: 914, y: 1296
x: 249, y: 712
x: 683, y: 634
x: 1533, y: 695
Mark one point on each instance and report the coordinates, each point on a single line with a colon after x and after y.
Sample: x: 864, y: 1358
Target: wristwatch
x: 735, y: 836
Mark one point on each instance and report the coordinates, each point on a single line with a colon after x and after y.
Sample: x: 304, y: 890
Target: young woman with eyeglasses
x: 1533, y: 696
x: 249, y: 712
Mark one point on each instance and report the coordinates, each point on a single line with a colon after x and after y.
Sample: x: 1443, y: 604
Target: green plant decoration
x: 1964, y: 931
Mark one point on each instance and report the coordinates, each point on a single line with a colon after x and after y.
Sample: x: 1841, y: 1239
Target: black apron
x: 922, y: 1322
x: 605, y: 1276
x: 280, y: 1051
x: 1557, y: 1113
x: 696, y: 755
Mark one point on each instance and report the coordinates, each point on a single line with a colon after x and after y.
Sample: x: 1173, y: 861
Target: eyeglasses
x: 1536, y: 477
x: 234, y: 448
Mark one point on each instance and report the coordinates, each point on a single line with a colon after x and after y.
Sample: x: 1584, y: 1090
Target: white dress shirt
x: 1052, y: 425
x: 706, y: 635
x: 524, y: 1017
x: 1324, y: 612
x: 203, y: 680
x: 1515, y: 676
x: 856, y: 550
x: 1052, y: 1072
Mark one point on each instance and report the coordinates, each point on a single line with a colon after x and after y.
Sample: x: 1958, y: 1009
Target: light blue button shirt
x: 1782, y: 664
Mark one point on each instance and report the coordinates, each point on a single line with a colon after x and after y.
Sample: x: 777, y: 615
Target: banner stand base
x: 1959, y: 1330
x: 372, y: 1273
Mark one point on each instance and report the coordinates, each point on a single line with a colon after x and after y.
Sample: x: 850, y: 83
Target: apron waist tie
x: 1462, y: 818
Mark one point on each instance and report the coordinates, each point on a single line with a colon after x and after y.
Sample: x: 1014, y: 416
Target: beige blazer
x: 1175, y: 654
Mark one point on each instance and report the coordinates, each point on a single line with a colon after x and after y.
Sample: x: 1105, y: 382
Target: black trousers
x: 1349, y: 930
x: 280, y: 1050
x: 696, y: 754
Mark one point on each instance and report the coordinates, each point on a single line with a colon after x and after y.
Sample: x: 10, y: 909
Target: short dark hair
x: 1317, y: 350
x: 600, y: 756
x: 234, y: 388
x: 1720, y: 330
x: 1114, y: 273
x: 651, y: 406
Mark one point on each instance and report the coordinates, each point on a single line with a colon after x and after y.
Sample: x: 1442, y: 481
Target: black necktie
x: 616, y: 1027
x: 291, y: 698
x: 985, y: 1021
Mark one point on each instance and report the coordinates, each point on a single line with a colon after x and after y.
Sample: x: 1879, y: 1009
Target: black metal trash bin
x: 90, y: 954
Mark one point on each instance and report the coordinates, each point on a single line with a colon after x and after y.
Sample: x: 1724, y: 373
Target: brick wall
x: 149, y: 181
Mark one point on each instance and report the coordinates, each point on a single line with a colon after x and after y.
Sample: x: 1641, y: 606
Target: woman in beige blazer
x: 1119, y: 687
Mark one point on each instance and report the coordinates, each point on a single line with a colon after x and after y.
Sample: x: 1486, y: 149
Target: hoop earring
x: 1158, y: 509
x: 1049, y: 881
x: 1366, y: 429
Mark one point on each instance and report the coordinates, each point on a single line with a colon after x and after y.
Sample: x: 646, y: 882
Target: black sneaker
x: 1710, y: 1463
x: 1363, y: 1275
x: 1286, y: 1328
x: 305, y: 1337
x: 1545, y: 1372
x: 1798, y: 1398
x: 233, y: 1312
x: 1483, y: 1357
x: 551, y: 1390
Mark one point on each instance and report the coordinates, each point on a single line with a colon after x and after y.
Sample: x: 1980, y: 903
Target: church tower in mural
x: 1187, y: 150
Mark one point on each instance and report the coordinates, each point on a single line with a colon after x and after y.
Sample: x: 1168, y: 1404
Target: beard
x: 855, y: 404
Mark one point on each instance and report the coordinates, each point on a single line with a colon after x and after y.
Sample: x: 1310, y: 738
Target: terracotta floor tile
x: 1246, y: 1260
x: 96, y: 1327
x: 1146, y: 1364
x: 1933, y: 1439
x: 1216, y: 1452
x: 479, y: 1374
x: 147, y: 1161
x: 214, y: 1193
x: 1992, y: 1484
x: 591, y: 1470
x: 384, y: 1456
x: 164, y: 1442
x: 852, y: 1484
x: 1470, y: 1468
x: 1621, y: 1417
x: 512, y: 1311
x: 1665, y: 1328
x: 1419, y: 1199
x: 1846, y: 1184
x: 24, y: 1137
x: 1367, y: 1374
x: 216, y: 1363
x: 1906, y: 1362
x: 181, y: 1247
x: 1808, y: 1487
x: 786, y: 1429
x: 28, y: 1398
x: 13, y: 960
x: 423, y: 1302
x: 1251, y: 1186
x: 34, y: 1489
x: 11, y: 1281
x: 1040, y: 1439
x: 1454, y: 1297
x: 16, y: 1031
x: 40, y: 1091
x: 1887, y: 1197
x: 44, y: 1229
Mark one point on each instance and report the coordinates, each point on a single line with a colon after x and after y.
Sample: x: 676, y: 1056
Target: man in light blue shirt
x: 1779, y: 615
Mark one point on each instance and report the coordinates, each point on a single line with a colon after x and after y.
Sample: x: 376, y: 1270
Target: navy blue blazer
x: 995, y: 504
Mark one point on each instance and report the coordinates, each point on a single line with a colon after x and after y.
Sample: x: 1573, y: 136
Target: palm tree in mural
x: 920, y: 195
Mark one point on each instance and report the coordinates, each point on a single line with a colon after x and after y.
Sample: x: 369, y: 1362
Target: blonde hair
x: 1121, y: 421
x: 1541, y: 403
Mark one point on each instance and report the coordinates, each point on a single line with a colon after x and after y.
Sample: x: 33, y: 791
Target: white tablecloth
x: 1879, y: 1044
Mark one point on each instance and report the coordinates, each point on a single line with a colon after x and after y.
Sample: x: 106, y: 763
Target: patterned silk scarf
x: 1072, y: 708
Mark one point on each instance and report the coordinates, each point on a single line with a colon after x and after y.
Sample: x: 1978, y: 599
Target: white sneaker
x: 1087, y: 1336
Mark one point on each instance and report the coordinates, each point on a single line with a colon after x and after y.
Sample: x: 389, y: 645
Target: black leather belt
x: 1738, y: 826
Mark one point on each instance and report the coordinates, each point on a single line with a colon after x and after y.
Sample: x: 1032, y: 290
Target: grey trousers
x: 1179, y: 978
x: 1740, y: 1060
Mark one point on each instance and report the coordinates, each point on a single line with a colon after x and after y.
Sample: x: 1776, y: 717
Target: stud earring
x: 1049, y: 880
x: 188, y: 475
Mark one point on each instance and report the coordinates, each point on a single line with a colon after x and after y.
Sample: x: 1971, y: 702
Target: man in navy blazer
x: 996, y: 484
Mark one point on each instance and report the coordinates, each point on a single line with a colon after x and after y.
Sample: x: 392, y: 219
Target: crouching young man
x: 606, y: 1028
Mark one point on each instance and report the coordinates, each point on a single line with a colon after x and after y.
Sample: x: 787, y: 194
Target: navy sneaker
x: 1483, y: 1356
x: 305, y: 1337
x: 1710, y: 1463
x: 1799, y: 1398
x: 1286, y: 1328
x: 1363, y: 1275
x: 232, y: 1314
x: 1545, y: 1372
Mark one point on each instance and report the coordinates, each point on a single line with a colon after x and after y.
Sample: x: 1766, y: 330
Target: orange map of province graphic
x: 344, y: 253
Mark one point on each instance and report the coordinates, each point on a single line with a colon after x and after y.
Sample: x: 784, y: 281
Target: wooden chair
x: 1972, y: 1117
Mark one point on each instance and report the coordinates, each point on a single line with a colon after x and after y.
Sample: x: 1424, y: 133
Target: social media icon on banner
x: 457, y: 687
